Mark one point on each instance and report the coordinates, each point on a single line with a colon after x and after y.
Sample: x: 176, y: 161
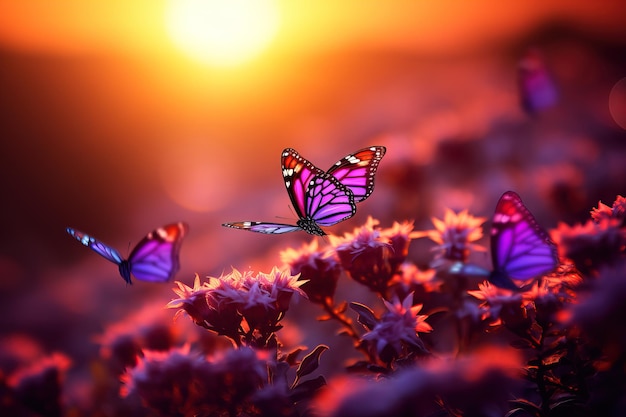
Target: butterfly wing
x: 262, y: 227
x: 100, y: 248
x: 155, y: 258
x: 520, y: 248
x: 358, y: 170
x: 316, y: 195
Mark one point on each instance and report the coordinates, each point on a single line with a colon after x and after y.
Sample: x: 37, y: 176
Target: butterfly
x: 520, y: 248
x: 536, y: 86
x: 154, y: 259
x: 322, y: 198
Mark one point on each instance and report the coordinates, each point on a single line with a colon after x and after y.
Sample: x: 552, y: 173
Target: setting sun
x: 222, y: 33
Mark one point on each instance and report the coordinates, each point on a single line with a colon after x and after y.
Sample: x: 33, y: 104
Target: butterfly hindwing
x: 520, y: 248
x: 357, y: 171
x: 154, y: 259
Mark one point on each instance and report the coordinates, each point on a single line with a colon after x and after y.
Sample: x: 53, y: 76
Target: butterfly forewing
x: 521, y: 249
x: 357, y: 171
x: 298, y: 174
x: 156, y: 257
x: 100, y: 248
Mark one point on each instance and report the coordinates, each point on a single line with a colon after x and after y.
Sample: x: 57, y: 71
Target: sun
x: 222, y: 33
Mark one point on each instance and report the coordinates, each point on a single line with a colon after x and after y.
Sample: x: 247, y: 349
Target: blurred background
x: 117, y: 117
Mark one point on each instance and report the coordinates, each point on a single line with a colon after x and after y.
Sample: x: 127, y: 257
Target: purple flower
x: 454, y: 236
x: 147, y: 328
x: 226, y: 303
x: 371, y: 256
x: 38, y: 385
x: 413, y: 280
x: 499, y: 304
x: 617, y: 211
x: 476, y: 385
x: 398, y: 328
x: 319, y: 270
x: 593, y: 245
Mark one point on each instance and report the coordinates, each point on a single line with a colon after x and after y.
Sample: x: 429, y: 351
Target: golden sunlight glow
x: 222, y: 33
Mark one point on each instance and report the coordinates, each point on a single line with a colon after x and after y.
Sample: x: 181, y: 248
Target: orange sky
x: 137, y: 27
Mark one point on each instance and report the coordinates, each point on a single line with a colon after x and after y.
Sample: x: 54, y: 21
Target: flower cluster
x: 428, y: 341
x: 245, y: 307
x: 372, y: 256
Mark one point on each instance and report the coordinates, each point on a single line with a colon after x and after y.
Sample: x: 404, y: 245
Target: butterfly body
x: 154, y: 259
x: 520, y: 248
x: 321, y: 198
x: 310, y: 226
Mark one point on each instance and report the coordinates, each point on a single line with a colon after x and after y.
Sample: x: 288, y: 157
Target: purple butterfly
x: 322, y: 198
x: 536, y: 87
x: 154, y: 259
x: 520, y: 248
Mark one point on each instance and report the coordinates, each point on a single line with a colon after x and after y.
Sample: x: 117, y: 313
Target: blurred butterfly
x: 536, y: 87
x: 154, y: 259
x: 520, y: 248
x: 322, y: 198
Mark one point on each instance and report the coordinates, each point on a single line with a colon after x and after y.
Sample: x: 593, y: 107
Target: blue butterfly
x: 520, y: 248
x: 154, y: 259
x: 322, y: 198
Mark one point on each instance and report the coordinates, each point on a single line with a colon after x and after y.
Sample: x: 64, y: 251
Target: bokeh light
x: 617, y: 103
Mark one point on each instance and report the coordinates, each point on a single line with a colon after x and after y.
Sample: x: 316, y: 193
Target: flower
x: 319, y: 270
x: 281, y: 285
x: 413, y: 280
x: 367, y: 255
x: 499, y: 305
x: 592, y: 245
x: 399, y: 236
x: 454, y: 235
x: 192, y: 300
x: 478, y: 384
x: 38, y: 386
x: 398, y: 328
x: 600, y: 313
x: 183, y: 382
x: 146, y: 328
x: 617, y: 211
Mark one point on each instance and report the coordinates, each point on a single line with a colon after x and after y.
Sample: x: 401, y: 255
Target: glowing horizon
x: 219, y: 33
